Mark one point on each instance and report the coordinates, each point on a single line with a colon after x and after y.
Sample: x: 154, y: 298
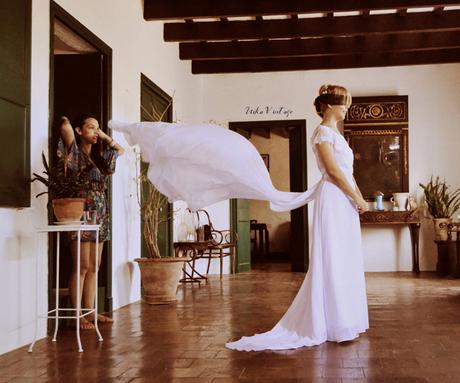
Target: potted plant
x: 160, y: 273
x: 441, y: 204
x: 64, y: 187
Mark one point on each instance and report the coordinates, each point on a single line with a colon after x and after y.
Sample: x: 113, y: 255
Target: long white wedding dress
x: 331, y: 304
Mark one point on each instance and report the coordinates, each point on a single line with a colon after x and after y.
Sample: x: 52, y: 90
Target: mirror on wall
x: 376, y: 129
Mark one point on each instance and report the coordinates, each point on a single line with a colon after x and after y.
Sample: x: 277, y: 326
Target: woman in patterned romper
x: 83, y: 151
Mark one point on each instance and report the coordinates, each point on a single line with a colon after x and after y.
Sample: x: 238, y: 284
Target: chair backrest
x: 207, y: 227
x: 219, y: 237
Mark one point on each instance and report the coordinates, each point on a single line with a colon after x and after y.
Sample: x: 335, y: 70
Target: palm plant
x: 441, y: 202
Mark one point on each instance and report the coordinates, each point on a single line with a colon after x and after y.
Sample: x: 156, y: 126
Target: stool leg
x: 80, y: 349
x: 99, y: 336
x: 56, y: 313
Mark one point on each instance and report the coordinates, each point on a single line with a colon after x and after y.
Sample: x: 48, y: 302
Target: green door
x: 240, y: 224
x: 156, y: 105
x: 15, y: 26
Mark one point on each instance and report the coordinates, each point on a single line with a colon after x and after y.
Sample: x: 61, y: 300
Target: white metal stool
x: 79, y: 313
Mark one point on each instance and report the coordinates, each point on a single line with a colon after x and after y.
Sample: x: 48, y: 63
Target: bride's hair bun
x: 324, y: 89
x: 343, y: 96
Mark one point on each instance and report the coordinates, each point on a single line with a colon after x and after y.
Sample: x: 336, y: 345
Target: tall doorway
x: 80, y: 82
x: 287, y: 232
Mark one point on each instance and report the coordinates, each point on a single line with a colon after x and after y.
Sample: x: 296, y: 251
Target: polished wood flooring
x: 414, y: 337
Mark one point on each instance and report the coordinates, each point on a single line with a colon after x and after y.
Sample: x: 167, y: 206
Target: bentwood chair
x: 223, y: 244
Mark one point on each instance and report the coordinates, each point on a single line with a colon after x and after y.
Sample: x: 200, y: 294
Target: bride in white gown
x: 331, y: 304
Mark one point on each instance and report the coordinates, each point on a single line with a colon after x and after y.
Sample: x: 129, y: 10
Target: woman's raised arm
x: 110, y: 141
x: 66, y: 132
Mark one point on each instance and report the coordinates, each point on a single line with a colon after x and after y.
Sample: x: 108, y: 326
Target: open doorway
x: 80, y: 82
x: 262, y: 234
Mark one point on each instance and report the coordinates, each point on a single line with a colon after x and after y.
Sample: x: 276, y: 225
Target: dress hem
x: 309, y: 343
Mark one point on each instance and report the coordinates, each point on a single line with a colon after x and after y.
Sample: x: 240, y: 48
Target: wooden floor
x: 414, y: 337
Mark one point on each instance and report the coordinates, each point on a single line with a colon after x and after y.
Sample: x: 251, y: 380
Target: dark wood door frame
x: 57, y: 12
x: 298, y: 179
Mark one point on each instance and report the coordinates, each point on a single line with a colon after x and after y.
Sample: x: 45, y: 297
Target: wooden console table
x: 409, y: 218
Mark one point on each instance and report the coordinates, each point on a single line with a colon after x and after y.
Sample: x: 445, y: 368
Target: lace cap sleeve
x: 322, y: 134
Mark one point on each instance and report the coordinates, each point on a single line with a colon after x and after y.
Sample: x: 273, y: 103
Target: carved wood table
x: 409, y: 218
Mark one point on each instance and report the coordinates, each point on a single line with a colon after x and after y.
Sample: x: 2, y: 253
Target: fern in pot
x: 64, y: 190
x: 441, y: 204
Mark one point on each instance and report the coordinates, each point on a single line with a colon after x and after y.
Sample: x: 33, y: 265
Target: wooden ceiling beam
x: 322, y: 46
x: 313, y: 27
x: 326, y: 62
x: 182, y: 9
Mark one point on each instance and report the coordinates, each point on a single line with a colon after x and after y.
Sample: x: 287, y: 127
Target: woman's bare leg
x: 89, y: 291
x: 84, y: 268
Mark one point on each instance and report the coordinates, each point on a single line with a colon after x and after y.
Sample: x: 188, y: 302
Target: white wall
x: 18, y: 241
x: 433, y: 91
x: 137, y: 47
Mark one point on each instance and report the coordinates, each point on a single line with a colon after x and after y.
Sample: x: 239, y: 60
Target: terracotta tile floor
x: 414, y: 337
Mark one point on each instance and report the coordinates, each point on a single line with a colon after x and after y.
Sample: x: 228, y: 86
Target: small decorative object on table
x: 399, y: 201
x: 411, y: 203
x: 378, y: 200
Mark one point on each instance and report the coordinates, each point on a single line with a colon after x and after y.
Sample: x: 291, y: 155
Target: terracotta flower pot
x: 440, y: 233
x: 160, y: 278
x: 68, y: 209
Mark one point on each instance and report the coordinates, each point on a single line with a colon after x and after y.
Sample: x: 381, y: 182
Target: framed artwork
x: 266, y: 158
x: 376, y: 129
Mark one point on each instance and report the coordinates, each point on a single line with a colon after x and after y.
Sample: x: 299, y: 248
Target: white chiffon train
x: 202, y: 164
